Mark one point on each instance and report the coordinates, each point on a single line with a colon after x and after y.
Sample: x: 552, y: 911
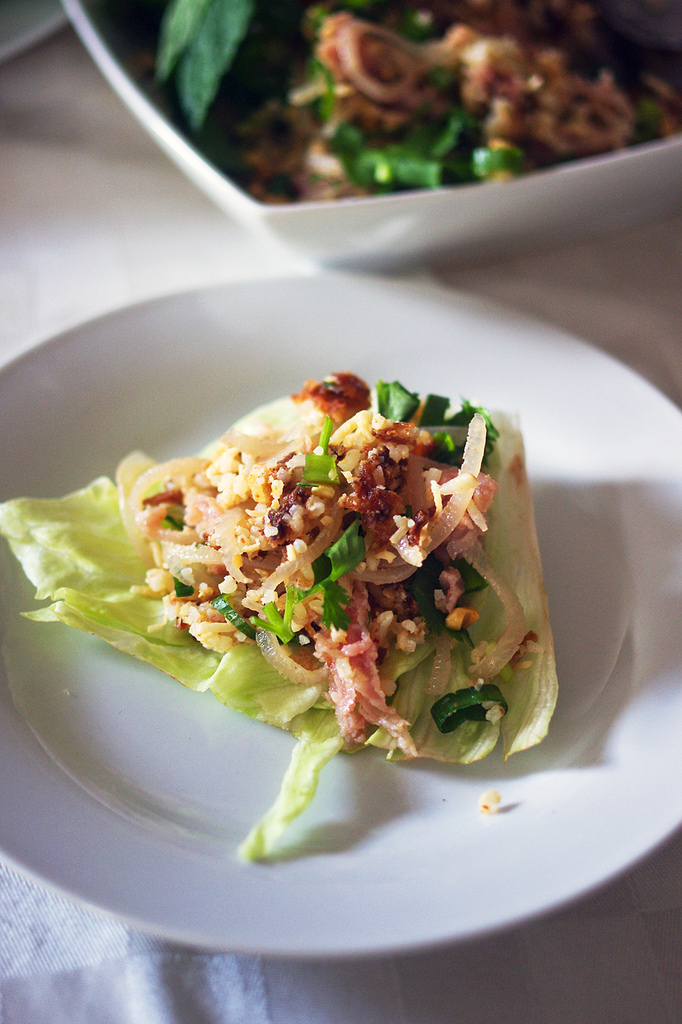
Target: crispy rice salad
x: 358, y: 568
x: 333, y: 99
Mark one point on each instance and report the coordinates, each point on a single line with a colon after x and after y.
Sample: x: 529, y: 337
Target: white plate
x: 577, y: 200
x: 122, y: 789
x: 24, y: 23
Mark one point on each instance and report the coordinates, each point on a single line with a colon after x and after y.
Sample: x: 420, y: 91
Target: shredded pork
x: 242, y: 525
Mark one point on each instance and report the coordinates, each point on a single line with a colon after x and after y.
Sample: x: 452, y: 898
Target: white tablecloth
x: 92, y: 217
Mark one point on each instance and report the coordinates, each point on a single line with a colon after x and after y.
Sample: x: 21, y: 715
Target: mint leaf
x: 208, y: 56
x: 179, y: 26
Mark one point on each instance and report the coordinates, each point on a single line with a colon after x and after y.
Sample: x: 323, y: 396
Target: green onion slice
x: 490, y: 162
x: 222, y: 605
x: 319, y: 469
x: 471, y: 704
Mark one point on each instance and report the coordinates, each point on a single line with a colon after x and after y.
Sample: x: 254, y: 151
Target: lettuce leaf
x: 78, y: 556
x: 319, y: 740
x: 76, y: 553
x: 512, y: 546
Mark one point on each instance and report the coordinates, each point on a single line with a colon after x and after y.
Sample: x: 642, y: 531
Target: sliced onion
x: 262, y: 449
x: 395, y: 572
x: 198, y: 554
x: 350, y: 35
x: 277, y: 655
x: 410, y: 553
x: 440, y: 669
x: 442, y: 525
x: 515, y: 628
x: 224, y: 539
x: 474, y: 449
x: 290, y: 568
x: 160, y: 473
x: 477, y: 517
x: 128, y: 471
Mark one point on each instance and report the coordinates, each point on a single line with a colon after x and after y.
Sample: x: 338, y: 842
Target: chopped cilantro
x: 347, y: 552
x: 340, y: 558
x: 335, y: 600
x: 277, y: 623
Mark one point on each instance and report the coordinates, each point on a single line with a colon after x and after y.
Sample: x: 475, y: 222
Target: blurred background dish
x: 574, y: 199
x: 652, y: 23
x: 25, y: 22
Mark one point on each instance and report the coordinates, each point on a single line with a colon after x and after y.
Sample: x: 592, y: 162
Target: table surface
x: 94, y: 217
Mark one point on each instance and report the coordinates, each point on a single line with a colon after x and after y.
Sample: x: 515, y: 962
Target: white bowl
x: 470, y: 222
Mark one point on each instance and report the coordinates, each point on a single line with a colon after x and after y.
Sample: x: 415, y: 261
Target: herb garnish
x: 340, y: 558
x: 199, y: 41
x: 320, y: 466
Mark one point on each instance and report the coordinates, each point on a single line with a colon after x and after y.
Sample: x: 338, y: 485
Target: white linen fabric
x: 93, y: 217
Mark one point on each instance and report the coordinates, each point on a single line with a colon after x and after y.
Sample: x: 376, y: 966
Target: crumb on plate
x: 489, y: 802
